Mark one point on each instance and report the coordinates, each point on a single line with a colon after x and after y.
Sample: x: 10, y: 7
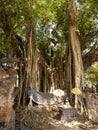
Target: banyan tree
x: 74, y: 71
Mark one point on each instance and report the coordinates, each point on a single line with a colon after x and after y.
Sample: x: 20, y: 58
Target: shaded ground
x: 46, y: 118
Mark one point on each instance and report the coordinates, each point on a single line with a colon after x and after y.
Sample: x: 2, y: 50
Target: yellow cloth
x: 76, y: 91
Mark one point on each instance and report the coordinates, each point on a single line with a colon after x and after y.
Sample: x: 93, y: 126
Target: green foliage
x: 48, y: 15
x: 43, y: 40
x: 91, y: 75
x: 47, y: 21
x: 5, y: 46
x: 87, y: 16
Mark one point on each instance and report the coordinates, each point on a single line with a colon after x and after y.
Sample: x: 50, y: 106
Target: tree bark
x: 30, y: 66
x: 75, y: 64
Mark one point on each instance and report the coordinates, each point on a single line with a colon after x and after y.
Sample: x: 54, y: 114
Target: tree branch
x: 90, y: 35
x: 91, y: 56
x: 5, y: 25
x: 12, y: 60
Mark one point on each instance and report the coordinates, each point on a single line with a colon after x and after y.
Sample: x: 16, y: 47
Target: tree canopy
x: 50, y: 19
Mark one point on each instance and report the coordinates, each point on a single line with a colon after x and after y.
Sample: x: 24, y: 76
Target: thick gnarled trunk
x: 74, y: 63
x: 28, y: 70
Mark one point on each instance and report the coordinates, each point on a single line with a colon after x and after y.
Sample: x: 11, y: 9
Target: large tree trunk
x: 74, y: 63
x: 35, y: 70
x: 29, y: 66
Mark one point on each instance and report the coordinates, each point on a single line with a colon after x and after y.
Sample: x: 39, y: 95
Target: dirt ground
x: 50, y: 118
